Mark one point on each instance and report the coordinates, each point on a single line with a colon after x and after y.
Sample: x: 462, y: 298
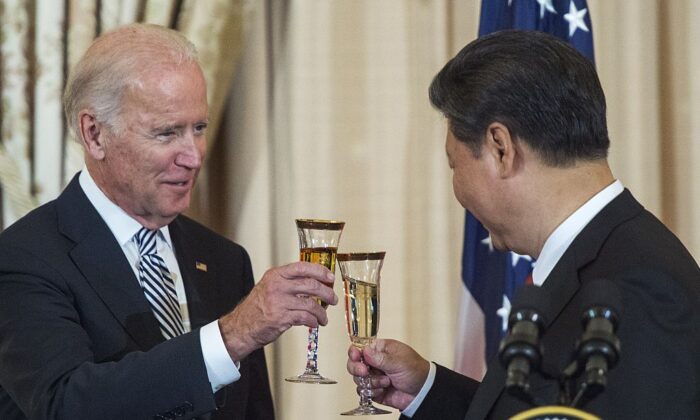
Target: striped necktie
x: 158, y: 285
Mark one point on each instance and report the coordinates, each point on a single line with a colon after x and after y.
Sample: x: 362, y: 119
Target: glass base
x: 367, y: 410
x: 310, y: 378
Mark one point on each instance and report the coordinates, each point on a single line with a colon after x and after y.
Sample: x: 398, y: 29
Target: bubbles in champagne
x: 361, y: 310
x: 323, y: 256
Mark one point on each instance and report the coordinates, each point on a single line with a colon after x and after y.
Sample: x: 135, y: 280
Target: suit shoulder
x: 204, y: 235
x: 645, y: 240
x: 39, y: 225
x: 645, y: 250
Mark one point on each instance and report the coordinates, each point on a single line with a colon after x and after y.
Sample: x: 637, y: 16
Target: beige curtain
x: 648, y: 55
x: 43, y: 39
x: 328, y: 116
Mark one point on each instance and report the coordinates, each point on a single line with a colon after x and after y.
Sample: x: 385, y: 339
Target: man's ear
x: 92, y: 134
x: 501, y: 146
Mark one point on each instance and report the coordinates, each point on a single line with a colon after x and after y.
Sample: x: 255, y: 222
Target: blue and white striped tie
x: 158, y: 285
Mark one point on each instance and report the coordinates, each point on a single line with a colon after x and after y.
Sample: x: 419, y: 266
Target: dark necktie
x: 158, y: 285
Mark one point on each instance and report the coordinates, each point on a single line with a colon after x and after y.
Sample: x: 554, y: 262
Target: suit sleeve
x: 449, y: 397
x: 260, y: 404
x: 49, y: 367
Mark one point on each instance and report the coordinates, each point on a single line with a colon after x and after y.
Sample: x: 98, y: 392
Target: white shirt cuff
x: 221, y: 369
x: 413, y: 406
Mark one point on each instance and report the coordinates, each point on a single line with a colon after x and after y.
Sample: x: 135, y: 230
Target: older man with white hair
x: 113, y: 305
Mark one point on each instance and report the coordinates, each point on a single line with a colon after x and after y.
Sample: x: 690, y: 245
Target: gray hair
x: 116, y: 61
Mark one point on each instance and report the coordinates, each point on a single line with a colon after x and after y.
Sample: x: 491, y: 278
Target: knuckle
x: 316, y: 287
x: 270, y: 272
x: 301, y: 268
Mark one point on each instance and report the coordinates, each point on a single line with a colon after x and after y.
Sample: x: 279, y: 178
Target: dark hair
x: 542, y: 89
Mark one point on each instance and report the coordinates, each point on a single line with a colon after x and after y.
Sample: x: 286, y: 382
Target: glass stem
x: 312, y: 351
x: 365, y: 387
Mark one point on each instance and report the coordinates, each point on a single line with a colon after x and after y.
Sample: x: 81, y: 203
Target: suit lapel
x: 195, y: 258
x: 102, y: 262
x: 562, y: 284
x: 196, y: 271
x: 488, y: 392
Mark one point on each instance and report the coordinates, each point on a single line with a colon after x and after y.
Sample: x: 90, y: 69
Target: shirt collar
x: 559, y: 241
x: 123, y: 226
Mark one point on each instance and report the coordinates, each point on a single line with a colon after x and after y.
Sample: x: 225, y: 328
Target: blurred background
x: 319, y: 109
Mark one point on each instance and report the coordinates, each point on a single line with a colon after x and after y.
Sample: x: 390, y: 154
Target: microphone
x: 520, y: 350
x: 598, y: 350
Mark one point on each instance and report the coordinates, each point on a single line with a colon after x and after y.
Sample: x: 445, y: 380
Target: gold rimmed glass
x: 361, y: 274
x: 318, y: 243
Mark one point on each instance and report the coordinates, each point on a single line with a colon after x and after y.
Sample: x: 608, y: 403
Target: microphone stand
x: 600, y: 349
x: 597, y: 352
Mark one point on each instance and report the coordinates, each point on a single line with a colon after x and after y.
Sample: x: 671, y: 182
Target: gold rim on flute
x: 319, y: 224
x: 360, y: 256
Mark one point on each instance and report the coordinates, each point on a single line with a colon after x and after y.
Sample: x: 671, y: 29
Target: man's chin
x: 498, y: 244
x: 167, y: 214
x: 500, y: 247
x: 174, y: 211
x: 176, y: 203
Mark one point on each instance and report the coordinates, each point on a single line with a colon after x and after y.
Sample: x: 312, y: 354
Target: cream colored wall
x: 333, y: 122
x: 647, y: 57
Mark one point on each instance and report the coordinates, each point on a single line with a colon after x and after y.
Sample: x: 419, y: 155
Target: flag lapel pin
x: 200, y: 266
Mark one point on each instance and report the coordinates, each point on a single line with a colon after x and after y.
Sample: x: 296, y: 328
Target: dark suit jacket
x: 78, y: 339
x: 658, y: 374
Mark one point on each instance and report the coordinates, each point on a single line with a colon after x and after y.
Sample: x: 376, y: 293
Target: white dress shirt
x: 221, y: 370
x: 554, y: 247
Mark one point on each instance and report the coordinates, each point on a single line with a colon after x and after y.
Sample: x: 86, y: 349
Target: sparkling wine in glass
x: 318, y: 243
x: 360, y: 273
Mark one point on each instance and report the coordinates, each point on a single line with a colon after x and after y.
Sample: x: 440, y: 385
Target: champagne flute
x: 318, y: 243
x: 360, y: 273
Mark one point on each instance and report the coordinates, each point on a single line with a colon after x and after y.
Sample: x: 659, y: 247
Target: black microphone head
x: 531, y: 303
x: 601, y: 298
x: 520, y: 351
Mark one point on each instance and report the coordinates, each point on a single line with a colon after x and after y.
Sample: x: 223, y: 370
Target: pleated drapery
x: 43, y: 39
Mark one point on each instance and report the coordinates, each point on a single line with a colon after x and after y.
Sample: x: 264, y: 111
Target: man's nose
x: 192, y: 153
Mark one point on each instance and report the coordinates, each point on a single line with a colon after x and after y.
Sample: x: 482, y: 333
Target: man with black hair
x: 527, y: 142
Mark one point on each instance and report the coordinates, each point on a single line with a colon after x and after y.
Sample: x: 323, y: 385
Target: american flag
x: 491, y: 277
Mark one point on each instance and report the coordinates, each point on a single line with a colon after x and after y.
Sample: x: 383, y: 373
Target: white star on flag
x: 546, y: 4
x: 487, y: 241
x: 504, y: 312
x: 575, y: 19
x: 515, y: 258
